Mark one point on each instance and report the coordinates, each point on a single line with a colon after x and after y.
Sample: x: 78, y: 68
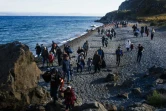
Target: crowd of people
x: 83, y: 63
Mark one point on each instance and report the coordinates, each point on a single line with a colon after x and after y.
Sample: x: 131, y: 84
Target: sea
x: 31, y: 30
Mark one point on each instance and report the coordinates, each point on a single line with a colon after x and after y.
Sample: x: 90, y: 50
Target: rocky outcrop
x: 19, y: 76
x: 132, y: 9
x: 140, y: 107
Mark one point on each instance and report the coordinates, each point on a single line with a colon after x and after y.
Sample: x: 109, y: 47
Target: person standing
x: 54, y: 84
x: 86, y: 47
x: 103, y: 40
x: 101, y: 53
x: 106, y: 42
x: 128, y: 43
x: 51, y: 58
x: 38, y: 50
x: 152, y: 33
x: 119, y: 53
x: 131, y: 46
x: 98, y: 30
x: 59, y: 56
x: 70, y: 98
x: 140, y: 50
x: 142, y: 31
x: 66, y: 68
x: 96, y: 62
x: 45, y: 56
x: 89, y: 64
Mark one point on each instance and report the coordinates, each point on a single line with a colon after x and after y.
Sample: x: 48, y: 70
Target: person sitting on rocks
x: 38, y: 50
x: 70, y: 98
x: 101, y: 53
x: 96, y: 61
x: 45, y: 56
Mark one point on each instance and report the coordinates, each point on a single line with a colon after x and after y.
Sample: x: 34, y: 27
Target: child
x: 89, y: 64
x: 50, y: 58
x: 131, y: 46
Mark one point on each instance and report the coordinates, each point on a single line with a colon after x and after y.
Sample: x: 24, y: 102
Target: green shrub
x: 157, y: 99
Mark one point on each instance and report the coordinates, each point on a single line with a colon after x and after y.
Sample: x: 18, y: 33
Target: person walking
x: 152, y: 33
x: 96, y: 62
x: 119, y: 53
x: 103, y: 40
x: 89, y: 64
x: 128, y: 43
x: 66, y: 68
x: 106, y: 42
x: 80, y: 62
x: 140, y: 50
x: 70, y: 98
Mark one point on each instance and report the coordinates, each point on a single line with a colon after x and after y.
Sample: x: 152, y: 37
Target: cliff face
x: 131, y: 9
x: 19, y: 76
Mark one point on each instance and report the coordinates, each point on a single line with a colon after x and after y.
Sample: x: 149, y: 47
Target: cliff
x: 19, y: 76
x: 147, y: 10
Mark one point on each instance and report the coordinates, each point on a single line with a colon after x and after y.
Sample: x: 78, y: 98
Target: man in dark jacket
x: 59, y: 56
x: 96, y: 62
x: 86, y: 47
x: 140, y: 50
x: 66, y: 68
x: 55, y: 84
x: 119, y: 53
x: 45, y: 56
x: 38, y: 50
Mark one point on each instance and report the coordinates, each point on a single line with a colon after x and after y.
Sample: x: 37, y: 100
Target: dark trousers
x: 79, y: 67
x: 127, y: 49
x: 152, y: 35
x: 69, y: 106
x: 59, y: 61
x: 105, y: 44
x: 139, y: 56
x: 96, y: 67
x: 118, y: 60
x: 54, y: 93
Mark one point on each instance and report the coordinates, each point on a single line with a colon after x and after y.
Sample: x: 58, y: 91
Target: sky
x: 60, y: 7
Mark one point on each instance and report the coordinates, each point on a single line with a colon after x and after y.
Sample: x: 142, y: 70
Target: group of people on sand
x: 142, y: 31
x: 64, y: 73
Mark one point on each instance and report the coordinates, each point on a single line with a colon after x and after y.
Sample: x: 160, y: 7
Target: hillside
x: 144, y: 10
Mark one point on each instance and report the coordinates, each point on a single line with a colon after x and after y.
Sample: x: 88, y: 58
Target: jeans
x: 139, y: 56
x: 45, y: 60
x: 79, y: 67
x: 67, y: 73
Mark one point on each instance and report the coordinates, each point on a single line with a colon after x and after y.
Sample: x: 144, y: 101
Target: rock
x: 127, y: 83
x: 136, y: 91
x: 111, y: 77
x: 19, y: 77
x: 161, y: 87
x: 161, y: 109
x: 110, y: 107
x: 140, y: 107
x: 92, y: 106
x: 124, y: 95
x: 156, y: 70
x: 163, y: 76
x: 159, y: 81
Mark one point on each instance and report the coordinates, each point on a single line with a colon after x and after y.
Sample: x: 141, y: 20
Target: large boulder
x: 19, y: 76
x: 92, y: 106
x: 140, y: 107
